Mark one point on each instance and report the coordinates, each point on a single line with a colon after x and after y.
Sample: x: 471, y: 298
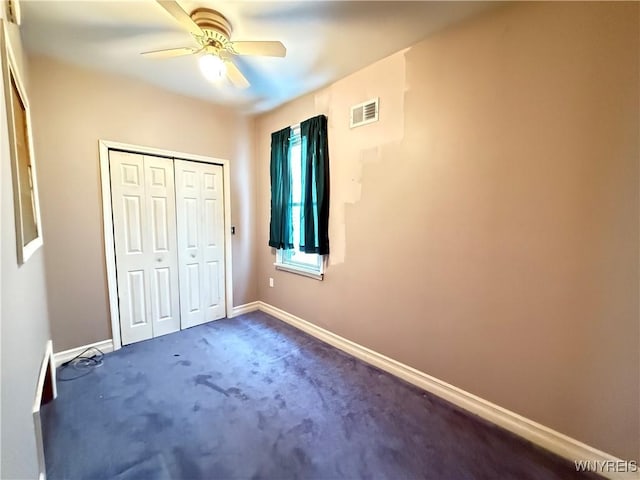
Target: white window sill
x: 299, y: 271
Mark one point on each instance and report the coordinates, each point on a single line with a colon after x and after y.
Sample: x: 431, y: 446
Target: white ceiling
x: 325, y: 40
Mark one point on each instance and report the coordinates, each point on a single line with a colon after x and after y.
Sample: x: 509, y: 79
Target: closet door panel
x: 188, y: 214
x: 212, y: 287
x: 137, y: 297
x: 162, y: 294
x: 163, y: 262
x: 131, y: 244
x: 200, y: 241
x: 213, y: 245
x: 193, y: 287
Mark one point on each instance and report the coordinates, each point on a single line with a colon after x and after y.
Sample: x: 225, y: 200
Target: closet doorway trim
x: 107, y: 221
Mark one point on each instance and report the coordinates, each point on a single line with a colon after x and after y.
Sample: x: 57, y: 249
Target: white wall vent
x: 365, y: 112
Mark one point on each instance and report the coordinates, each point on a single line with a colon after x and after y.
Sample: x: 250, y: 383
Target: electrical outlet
x: 271, y: 282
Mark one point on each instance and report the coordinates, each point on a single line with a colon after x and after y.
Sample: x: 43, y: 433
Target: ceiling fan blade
x: 236, y: 76
x: 170, y: 52
x: 176, y: 11
x: 263, y: 49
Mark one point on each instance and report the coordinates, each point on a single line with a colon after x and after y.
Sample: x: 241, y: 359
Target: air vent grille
x: 364, y: 113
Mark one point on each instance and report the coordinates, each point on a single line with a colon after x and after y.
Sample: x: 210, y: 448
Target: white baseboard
x: 536, y: 433
x: 246, y: 308
x: 105, y: 346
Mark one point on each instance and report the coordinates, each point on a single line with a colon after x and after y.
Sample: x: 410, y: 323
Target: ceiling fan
x: 212, y: 32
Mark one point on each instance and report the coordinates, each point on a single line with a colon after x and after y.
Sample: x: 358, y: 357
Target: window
x: 294, y: 260
x: 23, y: 168
x: 299, y: 173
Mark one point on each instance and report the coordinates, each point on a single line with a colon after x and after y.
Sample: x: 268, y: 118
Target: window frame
x: 23, y: 165
x: 283, y: 261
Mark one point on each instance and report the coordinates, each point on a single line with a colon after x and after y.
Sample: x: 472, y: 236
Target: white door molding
x: 109, y: 253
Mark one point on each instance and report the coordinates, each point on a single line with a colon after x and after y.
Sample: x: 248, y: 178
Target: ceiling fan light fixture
x: 212, y: 67
x: 212, y: 31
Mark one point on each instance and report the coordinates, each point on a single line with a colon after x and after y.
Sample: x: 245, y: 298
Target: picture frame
x: 23, y: 168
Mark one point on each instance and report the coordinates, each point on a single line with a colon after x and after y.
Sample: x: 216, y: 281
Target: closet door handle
x: 158, y: 259
x: 193, y: 255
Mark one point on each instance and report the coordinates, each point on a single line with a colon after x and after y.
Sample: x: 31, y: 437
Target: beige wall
x: 485, y: 231
x: 23, y: 312
x: 72, y: 109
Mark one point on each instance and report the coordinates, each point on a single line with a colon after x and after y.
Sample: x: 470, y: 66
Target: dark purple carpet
x: 252, y: 398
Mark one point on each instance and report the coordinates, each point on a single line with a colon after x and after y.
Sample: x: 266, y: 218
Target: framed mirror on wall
x: 23, y: 168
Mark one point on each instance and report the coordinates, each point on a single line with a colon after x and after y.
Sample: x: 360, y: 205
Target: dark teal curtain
x: 314, y: 217
x: 280, y: 228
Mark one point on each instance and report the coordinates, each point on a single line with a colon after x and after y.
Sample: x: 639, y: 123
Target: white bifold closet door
x: 144, y: 220
x: 200, y: 218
